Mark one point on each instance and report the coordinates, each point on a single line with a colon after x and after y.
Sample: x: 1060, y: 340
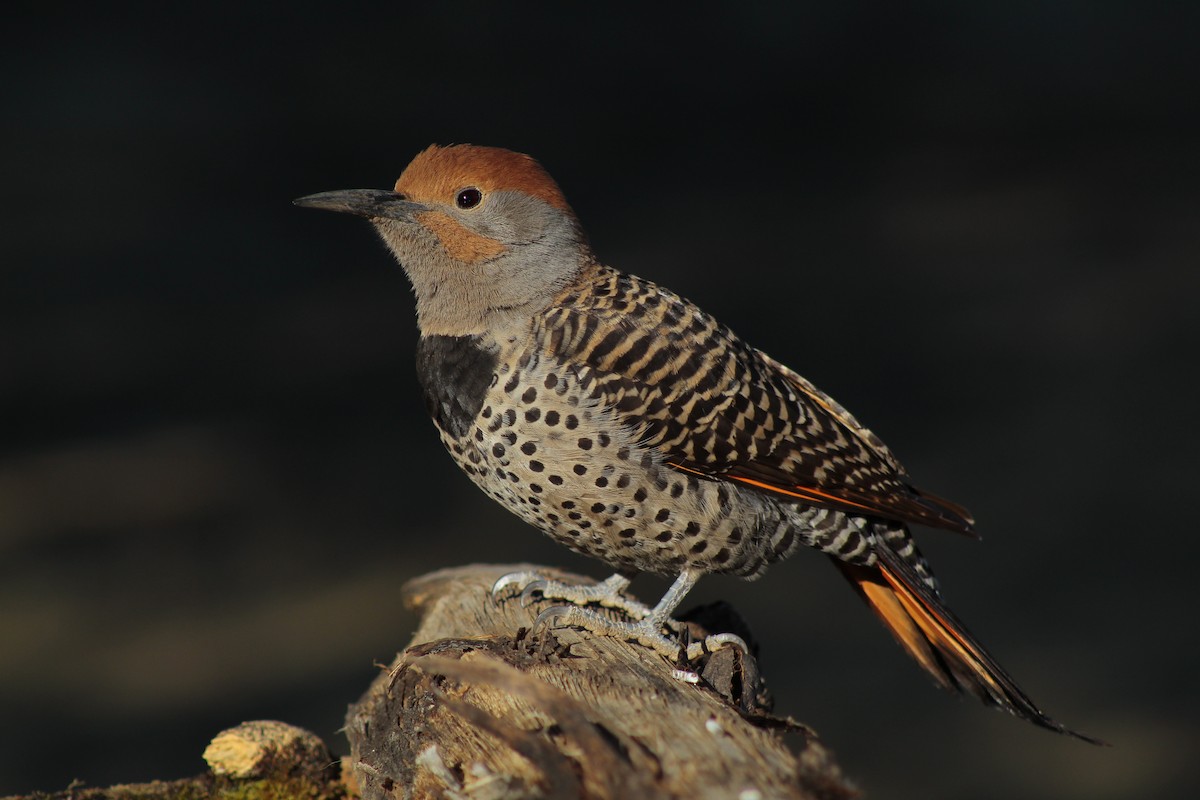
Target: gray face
x: 488, y: 268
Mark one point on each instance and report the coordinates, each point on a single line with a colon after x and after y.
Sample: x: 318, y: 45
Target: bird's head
x: 484, y: 235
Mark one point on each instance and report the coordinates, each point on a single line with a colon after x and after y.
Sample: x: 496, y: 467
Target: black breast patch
x: 455, y: 372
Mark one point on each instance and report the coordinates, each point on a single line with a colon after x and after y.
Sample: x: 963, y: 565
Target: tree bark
x: 477, y: 707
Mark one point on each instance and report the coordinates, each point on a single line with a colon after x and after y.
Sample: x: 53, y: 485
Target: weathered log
x: 476, y: 707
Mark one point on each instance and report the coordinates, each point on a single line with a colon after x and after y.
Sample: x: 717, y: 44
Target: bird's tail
x: 936, y: 639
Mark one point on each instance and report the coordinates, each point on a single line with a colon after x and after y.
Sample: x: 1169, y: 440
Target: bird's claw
x: 645, y: 632
x: 647, y: 629
x: 536, y: 587
x: 607, y: 593
x: 549, y: 616
x: 518, y: 579
x: 529, y: 584
x: 710, y: 644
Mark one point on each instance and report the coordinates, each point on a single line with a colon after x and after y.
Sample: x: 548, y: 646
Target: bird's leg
x: 648, y: 630
x: 606, y: 593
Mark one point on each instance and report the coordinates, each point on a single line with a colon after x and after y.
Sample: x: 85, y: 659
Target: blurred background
x: 976, y: 225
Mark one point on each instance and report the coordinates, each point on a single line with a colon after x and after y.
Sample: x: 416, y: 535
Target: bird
x: 631, y: 426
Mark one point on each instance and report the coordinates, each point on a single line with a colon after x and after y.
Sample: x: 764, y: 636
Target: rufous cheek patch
x: 461, y: 244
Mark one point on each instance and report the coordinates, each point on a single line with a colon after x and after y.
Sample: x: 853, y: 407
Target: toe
x: 518, y: 579
x: 536, y: 587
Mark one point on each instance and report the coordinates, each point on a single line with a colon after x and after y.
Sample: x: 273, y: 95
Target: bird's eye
x: 469, y: 197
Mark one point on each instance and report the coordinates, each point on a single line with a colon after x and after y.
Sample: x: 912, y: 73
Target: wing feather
x: 710, y: 404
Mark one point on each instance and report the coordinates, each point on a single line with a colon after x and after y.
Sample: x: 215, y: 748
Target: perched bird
x: 629, y: 425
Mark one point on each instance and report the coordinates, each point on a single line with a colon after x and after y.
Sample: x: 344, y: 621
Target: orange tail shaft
x: 937, y: 641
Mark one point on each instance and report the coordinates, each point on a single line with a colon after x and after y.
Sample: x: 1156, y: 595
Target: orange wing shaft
x: 806, y: 493
x: 928, y: 509
x: 799, y: 492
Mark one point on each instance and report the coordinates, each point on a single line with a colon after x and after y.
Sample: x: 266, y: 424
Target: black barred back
x: 714, y: 405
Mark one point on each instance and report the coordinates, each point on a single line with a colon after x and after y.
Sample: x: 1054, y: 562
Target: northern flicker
x: 629, y: 425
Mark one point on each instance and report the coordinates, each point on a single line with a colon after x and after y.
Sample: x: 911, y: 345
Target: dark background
x: 977, y: 225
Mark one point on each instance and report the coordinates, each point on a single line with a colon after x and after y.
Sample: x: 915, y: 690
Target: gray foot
x: 648, y: 632
x: 607, y: 593
x: 649, y: 623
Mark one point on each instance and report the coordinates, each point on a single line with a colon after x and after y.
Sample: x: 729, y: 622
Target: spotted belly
x: 559, y: 460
